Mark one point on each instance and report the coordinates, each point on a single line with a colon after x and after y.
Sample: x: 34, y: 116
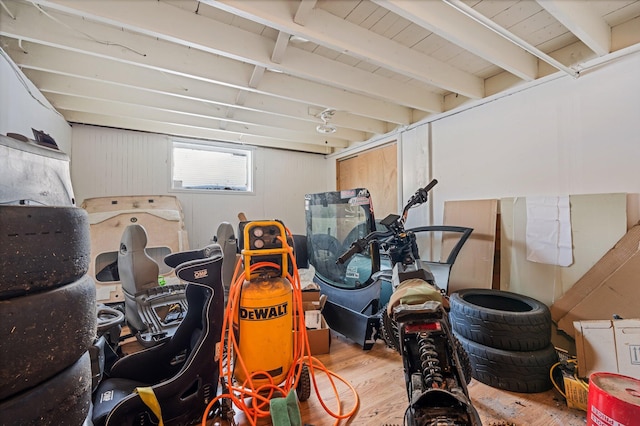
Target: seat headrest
x: 212, y: 250
x: 205, y: 271
x: 134, y: 238
x: 174, y: 260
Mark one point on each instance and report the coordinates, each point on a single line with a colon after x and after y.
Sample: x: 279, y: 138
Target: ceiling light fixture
x: 326, y: 127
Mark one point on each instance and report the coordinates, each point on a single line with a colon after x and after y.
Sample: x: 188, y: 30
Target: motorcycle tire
x: 64, y: 399
x: 465, y: 362
x: 303, y: 389
x: 44, y: 333
x: 501, y: 319
x: 42, y: 248
x: 515, y: 371
x: 389, y: 330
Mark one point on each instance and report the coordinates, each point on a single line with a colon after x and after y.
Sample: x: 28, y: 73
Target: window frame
x: 216, y: 146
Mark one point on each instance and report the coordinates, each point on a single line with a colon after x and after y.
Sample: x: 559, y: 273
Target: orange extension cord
x: 301, y: 354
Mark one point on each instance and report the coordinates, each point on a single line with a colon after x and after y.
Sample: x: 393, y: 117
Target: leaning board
x: 474, y: 266
x: 160, y: 215
x: 598, y: 221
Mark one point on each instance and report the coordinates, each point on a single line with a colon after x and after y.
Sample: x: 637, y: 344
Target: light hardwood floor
x: 378, y: 378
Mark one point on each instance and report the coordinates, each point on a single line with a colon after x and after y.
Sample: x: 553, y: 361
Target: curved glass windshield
x: 334, y: 220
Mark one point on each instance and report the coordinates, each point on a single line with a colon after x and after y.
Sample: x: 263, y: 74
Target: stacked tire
x: 48, y: 315
x: 507, y: 337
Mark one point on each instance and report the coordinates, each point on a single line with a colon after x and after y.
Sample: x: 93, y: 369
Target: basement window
x: 210, y: 167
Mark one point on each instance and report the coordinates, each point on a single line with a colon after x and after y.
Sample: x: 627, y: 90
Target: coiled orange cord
x: 301, y: 355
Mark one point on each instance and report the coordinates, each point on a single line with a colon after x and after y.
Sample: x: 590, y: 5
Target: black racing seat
x: 183, y: 370
x: 153, y: 312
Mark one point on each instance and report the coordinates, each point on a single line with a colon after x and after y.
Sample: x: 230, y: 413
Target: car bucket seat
x: 183, y: 371
x: 153, y: 312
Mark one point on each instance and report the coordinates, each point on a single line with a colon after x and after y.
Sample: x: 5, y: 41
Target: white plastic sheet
x: 548, y: 236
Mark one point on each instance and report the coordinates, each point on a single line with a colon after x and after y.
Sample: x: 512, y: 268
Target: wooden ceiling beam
x: 132, y: 123
x: 580, y: 18
x: 155, y: 19
x: 82, y: 66
x: 148, y: 113
x: 342, y: 36
x: 463, y: 31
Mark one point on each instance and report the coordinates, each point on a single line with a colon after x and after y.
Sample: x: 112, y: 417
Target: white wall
x: 108, y: 162
x: 23, y: 107
x: 563, y: 137
x: 567, y: 136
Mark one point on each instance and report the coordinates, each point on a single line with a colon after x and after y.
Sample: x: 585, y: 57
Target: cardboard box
x: 594, y: 278
x: 311, y: 296
x: 627, y: 334
x: 317, y: 328
x: 617, y: 294
x: 609, y: 346
x: 319, y: 339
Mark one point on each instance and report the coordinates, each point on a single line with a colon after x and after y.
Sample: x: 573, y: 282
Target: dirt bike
x: 415, y: 322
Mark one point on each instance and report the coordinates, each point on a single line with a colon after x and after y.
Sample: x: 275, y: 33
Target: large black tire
x: 44, y: 333
x: 515, y: 371
x: 64, y: 399
x: 501, y: 319
x: 42, y: 248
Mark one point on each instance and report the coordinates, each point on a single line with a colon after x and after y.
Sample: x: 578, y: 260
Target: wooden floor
x: 378, y: 378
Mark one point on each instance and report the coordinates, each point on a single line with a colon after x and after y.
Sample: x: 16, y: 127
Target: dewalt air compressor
x: 264, y: 317
x: 267, y: 348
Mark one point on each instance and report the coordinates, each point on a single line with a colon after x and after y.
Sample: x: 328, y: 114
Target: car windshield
x: 334, y: 220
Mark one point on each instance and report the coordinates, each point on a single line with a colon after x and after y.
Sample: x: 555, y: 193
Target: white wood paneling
x: 118, y: 162
x: 415, y: 172
x: 109, y: 162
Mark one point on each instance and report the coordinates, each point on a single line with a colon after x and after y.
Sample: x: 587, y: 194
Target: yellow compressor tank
x: 265, y: 336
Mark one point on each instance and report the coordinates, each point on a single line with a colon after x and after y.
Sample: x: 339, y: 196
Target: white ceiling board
x: 378, y: 64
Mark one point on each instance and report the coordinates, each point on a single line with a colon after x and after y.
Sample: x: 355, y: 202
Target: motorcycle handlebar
x: 421, y: 196
x: 355, y: 248
x: 430, y: 185
x: 359, y: 245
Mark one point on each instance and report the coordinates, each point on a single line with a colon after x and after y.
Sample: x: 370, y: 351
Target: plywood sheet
x: 376, y: 170
x: 598, y: 221
x: 474, y: 266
